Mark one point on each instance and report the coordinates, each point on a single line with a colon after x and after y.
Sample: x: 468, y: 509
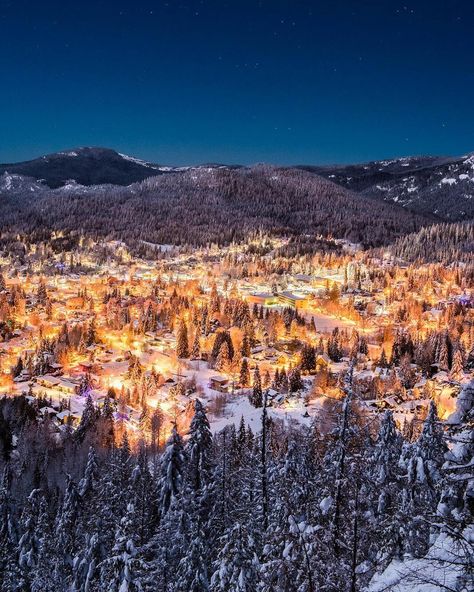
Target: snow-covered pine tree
x: 237, y: 566
x: 383, y: 489
x: 88, y: 419
x: 85, y: 566
x: 199, y: 449
x: 28, y: 544
x: 196, y: 349
x: 66, y: 529
x: 458, y: 365
x: 423, y: 462
x: 172, y: 469
x: 245, y: 347
x: 308, y: 359
x: 9, y: 568
x: 244, y: 376
x: 193, y: 570
x: 143, y: 495
x: 256, y: 395
x: 294, y: 379
x: 45, y: 577
x: 120, y: 572
x: 222, y: 363
x: 290, y: 545
x: 443, y: 355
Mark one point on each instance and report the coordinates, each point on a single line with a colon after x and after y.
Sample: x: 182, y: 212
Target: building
x: 68, y: 417
x: 322, y: 362
x: 290, y: 299
x: 218, y: 383
x: 262, y: 298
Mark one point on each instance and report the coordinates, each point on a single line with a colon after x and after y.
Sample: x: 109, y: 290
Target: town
x: 233, y: 327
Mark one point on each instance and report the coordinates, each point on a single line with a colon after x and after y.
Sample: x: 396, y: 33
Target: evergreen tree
x: 88, y: 419
x: 443, y: 355
x: 423, y: 461
x: 86, y: 572
x: 257, y: 393
x: 199, y: 449
x: 143, y: 496
x: 295, y: 382
x: 28, y: 545
x: 44, y: 577
x: 458, y: 364
x: 9, y: 568
x: 244, y: 376
x: 91, y: 333
x: 120, y: 571
x: 245, y: 347
x: 383, y: 359
x: 334, y: 346
x: 236, y: 566
x: 308, y: 359
x: 65, y: 530
x: 384, y: 485
x: 223, y: 359
x: 196, y: 351
x: 182, y: 344
x: 172, y: 469
x: 193, y: 572
x: 42, y: 293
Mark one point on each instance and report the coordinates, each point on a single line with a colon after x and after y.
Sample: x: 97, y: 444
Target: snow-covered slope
x: 12, y: 183
x: 440, y: 186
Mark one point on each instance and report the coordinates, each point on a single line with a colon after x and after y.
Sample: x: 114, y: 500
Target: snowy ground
x: 326, y: 323
x: 238, y: 405
x: 434, y: 573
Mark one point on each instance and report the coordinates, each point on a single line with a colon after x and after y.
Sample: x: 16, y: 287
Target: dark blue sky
x: 237, y: 81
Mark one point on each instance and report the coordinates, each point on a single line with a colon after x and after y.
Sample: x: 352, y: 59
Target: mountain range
x: 440, y: 187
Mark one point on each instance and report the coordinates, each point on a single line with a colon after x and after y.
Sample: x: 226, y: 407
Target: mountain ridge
x: 443, y: 186
x: 87, y: 165
x: 439, y: 186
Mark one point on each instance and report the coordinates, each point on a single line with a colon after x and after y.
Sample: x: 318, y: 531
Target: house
x: 68, y: 417
x: 322, y: 362
x: 219, y: 383
x: 48, y: 381
x: 48, y: 411
x: 66, y: 386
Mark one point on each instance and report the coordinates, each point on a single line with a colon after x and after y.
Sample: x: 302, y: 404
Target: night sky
x: 183, y: 82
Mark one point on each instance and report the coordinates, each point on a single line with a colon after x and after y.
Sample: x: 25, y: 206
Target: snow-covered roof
x: 219, y: 379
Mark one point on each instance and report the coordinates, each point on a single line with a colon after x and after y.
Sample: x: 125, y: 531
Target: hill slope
x: 204, y: 205
x: 440, y: 186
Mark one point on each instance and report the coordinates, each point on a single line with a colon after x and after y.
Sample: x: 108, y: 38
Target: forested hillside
x: 440, y: 186
x: 205, y: 205
x: 443, y: 243
x: 283, y: 510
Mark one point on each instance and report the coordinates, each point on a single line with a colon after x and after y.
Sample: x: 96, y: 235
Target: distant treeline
x: 440, y: 243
